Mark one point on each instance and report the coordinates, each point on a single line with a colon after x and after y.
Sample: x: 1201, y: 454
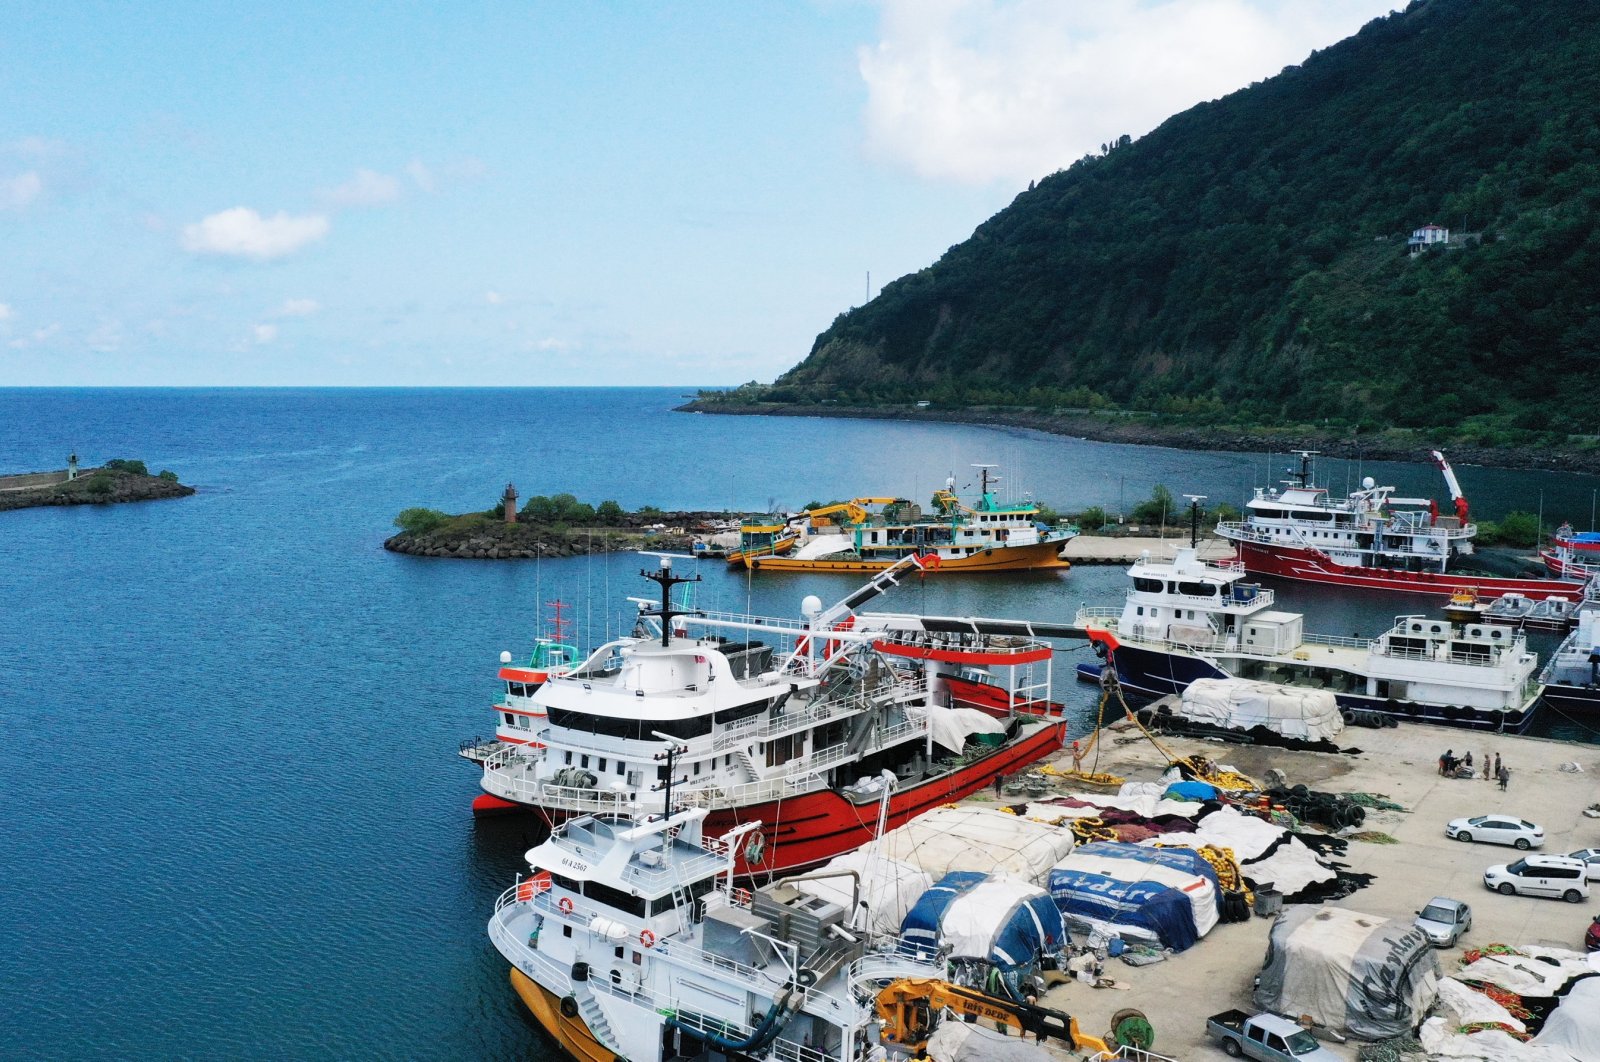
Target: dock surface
x: 1401, y: 765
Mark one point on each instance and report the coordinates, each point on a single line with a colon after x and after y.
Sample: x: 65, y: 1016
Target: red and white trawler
x: 1370, y: 539
x: 1572, y: 554
x: 805, y: 726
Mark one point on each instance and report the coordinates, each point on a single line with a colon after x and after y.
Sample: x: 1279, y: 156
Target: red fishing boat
x: 824, y: 730
x: 1370, y: 539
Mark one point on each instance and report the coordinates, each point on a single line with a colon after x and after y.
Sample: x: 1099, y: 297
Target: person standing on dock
x: 1487, y: 774
x: 1504, y: 774
x: 1497, y: 766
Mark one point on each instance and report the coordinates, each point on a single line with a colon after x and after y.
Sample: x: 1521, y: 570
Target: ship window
x: 602, y: 766
x: 569, y: 757
x: 1141, y: 610
x: 625, y: 902
x: 1198, y: 589
x: 511, y: 720
x: 617, y: 951
x: 634, y: 729
x: 620, y: 765
x: 584, y: 760
x: 566, y: 930
x: 1148, y: 586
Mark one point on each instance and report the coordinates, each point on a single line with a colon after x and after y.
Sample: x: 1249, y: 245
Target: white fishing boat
x: 1572, y: 678
x: 631, y: 940
x: 792, y: 722
x: 1185, y: 620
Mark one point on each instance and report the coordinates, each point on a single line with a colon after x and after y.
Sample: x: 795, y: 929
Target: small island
x: 116, y: 481
x: 558, y: 526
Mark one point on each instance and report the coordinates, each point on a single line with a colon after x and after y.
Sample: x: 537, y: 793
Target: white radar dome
x: 1368, y: 483
x: 505, y: 656
x: 811, y: 605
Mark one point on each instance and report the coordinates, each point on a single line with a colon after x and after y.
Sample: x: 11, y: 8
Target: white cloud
x: 298, y: 307
x: 421, y: 175
x: 983, y: 90
x: 37, y: 147
x: 366, y: 188
x: 265, y: 333
x: 38, y: 335
x: 6, y: 312
x: 17, y: 192
x: 106, y: 338
x: 243, y: 233
x: 493, y: 298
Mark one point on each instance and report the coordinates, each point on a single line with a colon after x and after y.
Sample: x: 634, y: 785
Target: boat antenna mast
x: 664, y: 578
x: 1302, y: 478
x: 669, y: 756
x: 984, y: 479
x: 1194, y: 519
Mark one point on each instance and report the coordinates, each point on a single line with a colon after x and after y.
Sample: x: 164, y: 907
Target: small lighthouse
x: 72, y: 467
x: 509, y: 500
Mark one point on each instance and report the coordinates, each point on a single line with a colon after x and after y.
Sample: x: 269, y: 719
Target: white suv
x: 1540, y: 875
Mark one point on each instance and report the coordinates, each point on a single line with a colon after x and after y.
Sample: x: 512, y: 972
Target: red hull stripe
x: 807, y: 830
x: 1302, y: 565
x: 962, y: 656
x: 523, y: 674
x: 484, y: 804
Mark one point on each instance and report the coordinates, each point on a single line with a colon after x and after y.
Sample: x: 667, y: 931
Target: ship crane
x: 1459, y: 499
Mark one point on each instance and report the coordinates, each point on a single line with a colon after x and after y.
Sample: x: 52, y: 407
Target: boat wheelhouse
x: 1572, y: 677
x: 1573, y: 554
x: 1184, y: 620
x: 798, y: 724
x: 1370, y: 538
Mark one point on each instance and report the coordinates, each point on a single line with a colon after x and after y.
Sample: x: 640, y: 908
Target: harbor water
x: 234, y: 821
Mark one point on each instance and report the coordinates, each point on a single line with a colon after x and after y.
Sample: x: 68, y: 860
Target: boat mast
x: 1302, y: 478
x: 1194, y: 519
x: 666, y: 580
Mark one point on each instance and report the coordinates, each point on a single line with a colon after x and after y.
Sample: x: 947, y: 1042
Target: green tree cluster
x: 420, y: 521
x: 567, y: 510
x: 1247, y: 260
x: 117, y: 464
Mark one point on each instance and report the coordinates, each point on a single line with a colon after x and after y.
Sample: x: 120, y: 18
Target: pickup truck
x: 1267, y: 1037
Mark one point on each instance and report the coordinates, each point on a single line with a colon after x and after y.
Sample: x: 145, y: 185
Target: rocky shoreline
x: 1142, y: 431
x: 119, y: 487
x: 497, y: 540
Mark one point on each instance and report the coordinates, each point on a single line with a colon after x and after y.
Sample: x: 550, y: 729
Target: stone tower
x: 72, y: 467
x: 509, y: 500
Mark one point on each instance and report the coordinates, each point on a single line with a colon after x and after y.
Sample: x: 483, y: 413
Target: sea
x: 233, y: 820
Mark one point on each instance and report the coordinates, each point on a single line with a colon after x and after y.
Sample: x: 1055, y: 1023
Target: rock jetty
x: 116, y: 481
x: 483, y: 536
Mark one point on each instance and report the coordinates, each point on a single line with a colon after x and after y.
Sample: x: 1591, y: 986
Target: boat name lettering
x: 575, y: 864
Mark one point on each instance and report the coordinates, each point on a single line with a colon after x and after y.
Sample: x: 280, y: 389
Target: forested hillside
x: 1248, y: 259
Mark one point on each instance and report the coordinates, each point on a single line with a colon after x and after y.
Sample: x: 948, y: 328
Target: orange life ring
x: 532, y: 886
x: 647, y: 939
x: 565, y: 904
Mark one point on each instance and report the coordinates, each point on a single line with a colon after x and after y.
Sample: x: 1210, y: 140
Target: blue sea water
x: 232, y: 820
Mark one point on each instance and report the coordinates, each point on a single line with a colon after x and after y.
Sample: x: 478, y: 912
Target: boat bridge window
x: 1198, y: 589
x: 1269, y: 514
x: 631, y: 729
x: 1148, y: 586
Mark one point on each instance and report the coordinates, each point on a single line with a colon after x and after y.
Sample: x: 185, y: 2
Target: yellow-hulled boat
x: 571, y: 1032
x: 871, y: 534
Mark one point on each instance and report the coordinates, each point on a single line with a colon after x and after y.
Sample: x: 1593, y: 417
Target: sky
x: 543, y: 194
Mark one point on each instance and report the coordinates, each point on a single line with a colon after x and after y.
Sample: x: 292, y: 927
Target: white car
x: 1590, y: 856
x: 1497, y: 829
x: 1538, y: 875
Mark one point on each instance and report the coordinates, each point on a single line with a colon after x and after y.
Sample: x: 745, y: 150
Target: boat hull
x: 994, y: 700
x: 1034, y: 556
x: 1303, y: 565
x: 1584, y: 699
x: 1146, y: 674
x: 571, y: 1033
x: 806, y: 830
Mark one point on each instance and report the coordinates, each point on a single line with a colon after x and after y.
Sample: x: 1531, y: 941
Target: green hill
x: 1247, y: 261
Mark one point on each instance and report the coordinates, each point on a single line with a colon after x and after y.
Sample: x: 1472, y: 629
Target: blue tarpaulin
x: 1185, y: 859
x: 999, y: 919
x: 1191, y: 791
x: 1166, y: 893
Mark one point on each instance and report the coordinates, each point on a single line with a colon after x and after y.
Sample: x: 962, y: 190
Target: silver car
x: 1444, y: 921
x: 1591, y: 858
x: 1497, y: 829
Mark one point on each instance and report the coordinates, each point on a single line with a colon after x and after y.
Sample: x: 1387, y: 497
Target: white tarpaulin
x: 1247, y: 835
x: 957, y: 1041
x: 1312, y: 715
x: 889, y: 888
x: 824, y: 546
x: 980, y: 839
x: 1442, y: 1040
x: 1528, y: 975
x: 952, y: 726
x: 1468, y: 1006
x: 1574, y: 1026
x: 1144, y: 804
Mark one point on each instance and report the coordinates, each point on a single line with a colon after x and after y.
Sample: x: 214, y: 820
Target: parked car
x: 1591, y: 939
x: 1268, y: 1037
x: 1444, y: 921
x: 1539, y: 875
x: 1590, y: 856
x: 1497, y: 829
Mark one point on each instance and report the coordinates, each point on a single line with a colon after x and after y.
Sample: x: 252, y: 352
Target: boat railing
x: 1097, y: 616
x: 877, y: 969
x: 1238, y: 529
x: 989, y: 645
x: 1336, y: 641
x: 761, y: 728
